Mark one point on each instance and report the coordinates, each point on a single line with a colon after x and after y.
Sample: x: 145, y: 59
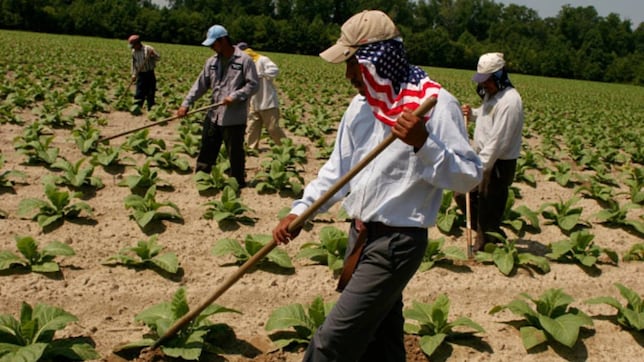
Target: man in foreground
x: 232, y: 76
x: 497, y: 140
x: 394, y: 199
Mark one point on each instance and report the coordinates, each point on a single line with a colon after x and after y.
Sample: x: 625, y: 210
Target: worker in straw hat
x: 144, y: 59
x: 394, y: 199
x: 497, y: 140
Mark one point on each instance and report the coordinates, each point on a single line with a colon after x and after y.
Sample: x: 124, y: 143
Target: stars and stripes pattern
x: 392, y: 84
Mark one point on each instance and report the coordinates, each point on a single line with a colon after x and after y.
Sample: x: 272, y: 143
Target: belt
x: 364, y: 229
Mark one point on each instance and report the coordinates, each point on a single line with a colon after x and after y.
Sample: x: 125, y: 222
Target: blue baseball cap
x: 215, y: 32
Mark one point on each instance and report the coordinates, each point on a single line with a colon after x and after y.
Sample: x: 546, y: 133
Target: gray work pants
x: 366, y: 323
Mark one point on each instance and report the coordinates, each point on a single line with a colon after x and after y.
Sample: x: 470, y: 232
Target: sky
x: 626, y: 9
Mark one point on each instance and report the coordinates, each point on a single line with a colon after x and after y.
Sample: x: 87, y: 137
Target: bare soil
x: 106, y: 298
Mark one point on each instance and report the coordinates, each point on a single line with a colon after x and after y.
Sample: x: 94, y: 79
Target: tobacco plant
x: 216, y: 180
x: 193, y: 339
x: 39, y: 261
x: 563, y: 214
x: 635, y: 253
x: 7, y: 177
x: 296, y: 323
x: 635, y: 183
x: 562, y: 174
x: 288, y: 154
x: 432, y: 324
x: 30, y: 338
x: 228, y: 208
x: 448, y: 215
x: 278, y: 178
x: 86, y: 137
x: 145, y: 209
x: 329, y: 250
x: 553, y: 318
x: 169, y: 160
x: 146, y: 177
x: 252, y: 244
x: 595, y: 190
x: 519, y: 218
x: 141, y: 143
x: 581, y: 249
x: 146, y: 253
x: 106, y: 155
x: 629, y: 316
x: 616, y: 215
x: 506, y: 256
x: 435, y: 253
x: 188, y: 143
x: 39, y: 151
x: 58, y: 208
x: 74, y: 175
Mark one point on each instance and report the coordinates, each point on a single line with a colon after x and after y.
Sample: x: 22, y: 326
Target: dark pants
x: 146, y: 86
x: 487, y: 208
x: 232, y: 137
x: 366, y: 323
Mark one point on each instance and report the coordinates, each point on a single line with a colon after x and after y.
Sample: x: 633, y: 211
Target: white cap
x: 488, y: 64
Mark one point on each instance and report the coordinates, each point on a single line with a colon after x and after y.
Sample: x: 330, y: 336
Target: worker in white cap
x: 497, y: 140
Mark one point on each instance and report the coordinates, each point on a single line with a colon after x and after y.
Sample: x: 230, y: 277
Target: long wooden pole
x: 294, y: 225
x: 102, y: 139
x: 468, y: 216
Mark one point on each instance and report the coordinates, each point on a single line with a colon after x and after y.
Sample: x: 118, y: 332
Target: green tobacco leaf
x: 429, y: 344
x: 151, y: 315
x: 27, y: 206
x: 564, y: 329
x: 72, y: 349
x: 30, y: 353
x: 57, y: 248
x: 47, y: 267
x: 229, y: 246
x: 635, y: 319
x: 466, y: 322
x: 46, y: 220
x: 503, y: 260
x: 280, y: 257
x: 7, y: 259
x: 532, y: 337
x: 168, y: 262
x: 286, y: 317
x: 50, y: 319
x: 27, y: 247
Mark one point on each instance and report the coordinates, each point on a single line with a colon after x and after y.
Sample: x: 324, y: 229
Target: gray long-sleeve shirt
x: 236, y: 77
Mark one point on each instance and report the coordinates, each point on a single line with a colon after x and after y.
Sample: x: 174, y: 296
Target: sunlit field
x: 579, y: 181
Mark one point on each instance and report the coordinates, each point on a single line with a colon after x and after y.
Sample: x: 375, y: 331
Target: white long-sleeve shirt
x: 499, y: 123
x: 266, y: 96
x: 399, y: 187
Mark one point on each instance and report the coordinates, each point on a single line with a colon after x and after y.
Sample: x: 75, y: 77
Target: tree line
x: 577, y: 43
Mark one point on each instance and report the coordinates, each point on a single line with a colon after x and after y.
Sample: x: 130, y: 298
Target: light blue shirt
x: 399, y: 187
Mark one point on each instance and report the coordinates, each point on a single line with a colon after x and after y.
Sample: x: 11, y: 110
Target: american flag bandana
x: 393, y: 84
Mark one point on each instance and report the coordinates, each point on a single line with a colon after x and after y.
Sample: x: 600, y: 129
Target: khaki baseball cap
x: 369, y: 26
x: 488, y: 64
